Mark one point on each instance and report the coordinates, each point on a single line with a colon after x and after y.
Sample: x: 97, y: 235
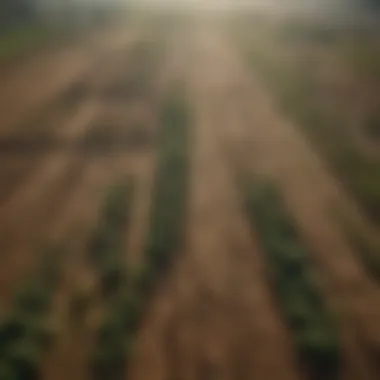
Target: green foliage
x: 125, y: 292
x: 106, y: 243
x: 130, y: 310
x: 107, y: 239
x: 34, y: 299
x: 23, y: 357
x: 108, y: 360
x: 25, y: 332
x: 299, y: 94
x: 169, y: 202
x: 116, y: 205
x: 106, y: 252
x: 290, y: 273
x: 115, y: 337
x: 112, y: 277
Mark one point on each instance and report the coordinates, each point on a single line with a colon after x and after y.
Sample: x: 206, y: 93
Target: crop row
x: 302, y: 95
x: 26, y: 332
x: 126, y: 291
x: 170, y: 187
x: 106, y: 252
x: 294, y: 283
x: 298, y: 93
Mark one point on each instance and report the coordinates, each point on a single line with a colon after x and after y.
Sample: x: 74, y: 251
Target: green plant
x: 106, y: 241
x: 23, y: 357
x: 112, y: 277
x: 290, y: 273
x: 126, y: 292
x: 168, y: 209
x: 25, y: 331
x: 113, y: 346
x: 106, y: 252
x: 130, y: 304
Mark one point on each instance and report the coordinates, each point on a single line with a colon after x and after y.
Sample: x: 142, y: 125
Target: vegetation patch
x: 291, y: 274
x: 126, y: 292
x: 106, y: 252
x: 170, y: 187
x: 301, y: 97
x: 25, y: 331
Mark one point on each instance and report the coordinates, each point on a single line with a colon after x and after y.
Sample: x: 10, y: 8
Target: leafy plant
x: 289, y: 270
x: 25, y: 332
x: 125, y: 292
x: 168, y: 209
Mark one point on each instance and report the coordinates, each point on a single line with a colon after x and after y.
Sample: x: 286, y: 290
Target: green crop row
x: 170, y: 187
x: 106, y: 250
x: 290, y: 272
x: 106, y: 243
x: 25, y: 331
x: 125, y: 307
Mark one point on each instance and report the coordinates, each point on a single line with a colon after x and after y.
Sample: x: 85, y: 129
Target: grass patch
x: 292, y: 278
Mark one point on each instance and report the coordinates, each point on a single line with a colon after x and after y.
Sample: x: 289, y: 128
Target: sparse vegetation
x: 298, y: 295
x: 106, y: 252
x: 303, y: 97
x: 126, y: 292
x: 25, y: 332
x: 169, y: 202
x: 106, y: 244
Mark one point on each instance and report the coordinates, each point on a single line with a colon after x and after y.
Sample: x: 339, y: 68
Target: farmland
x: 180, y: 200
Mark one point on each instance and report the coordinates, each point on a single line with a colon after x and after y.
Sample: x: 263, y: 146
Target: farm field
x: 174, y: 205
